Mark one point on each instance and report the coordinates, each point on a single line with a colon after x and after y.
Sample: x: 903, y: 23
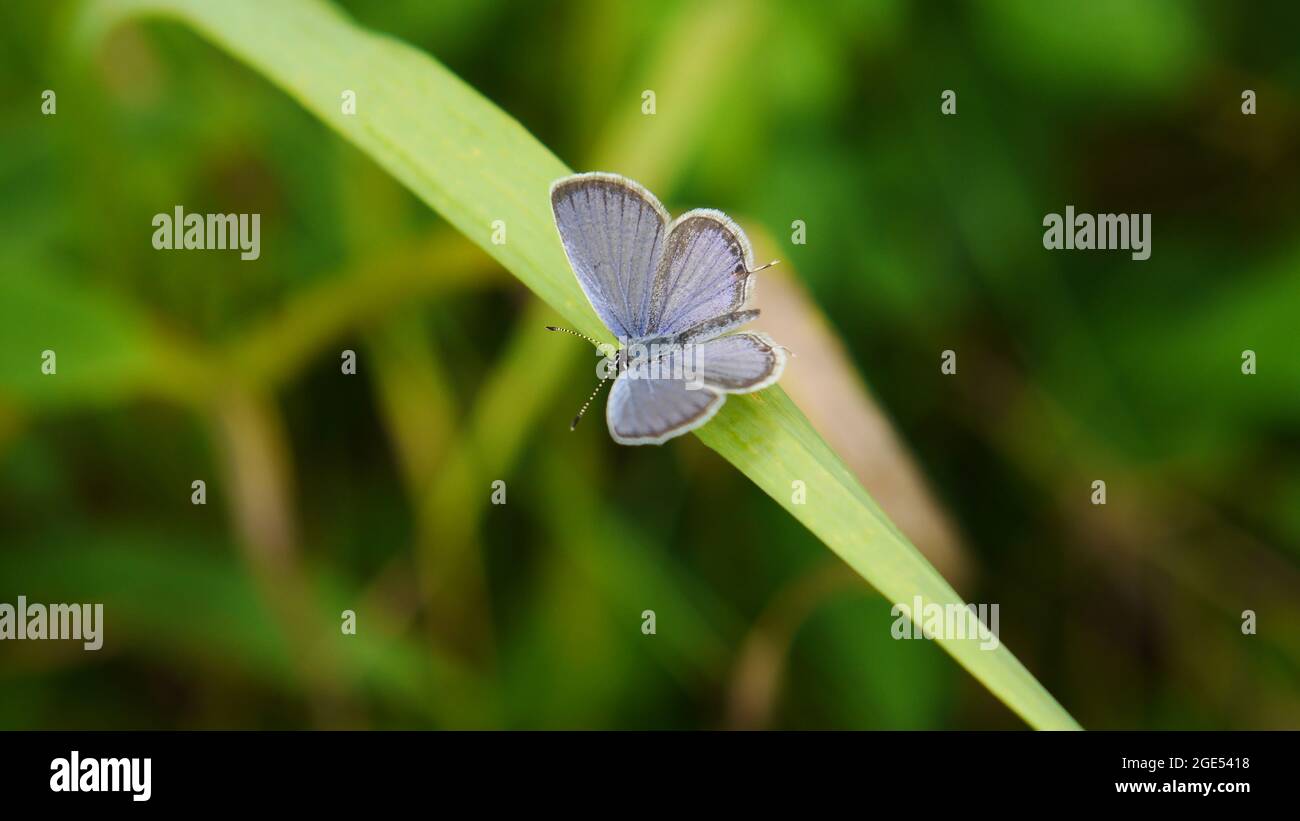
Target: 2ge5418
x: 1220, y: 763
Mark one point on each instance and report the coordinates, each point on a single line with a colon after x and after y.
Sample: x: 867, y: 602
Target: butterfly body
x: 671, y: 290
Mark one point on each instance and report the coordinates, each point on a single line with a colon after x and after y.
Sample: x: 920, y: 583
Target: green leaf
x: 99, y: 348
x: 474, y: 164
x: 202, y: 605
x: 1104, y: 47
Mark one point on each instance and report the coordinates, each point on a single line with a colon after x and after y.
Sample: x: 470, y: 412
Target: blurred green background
x: 924, y: 233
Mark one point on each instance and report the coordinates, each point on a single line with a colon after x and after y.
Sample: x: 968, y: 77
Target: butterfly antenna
x: 573, y: 333
x: 574, y: 424
x: 764, y: 267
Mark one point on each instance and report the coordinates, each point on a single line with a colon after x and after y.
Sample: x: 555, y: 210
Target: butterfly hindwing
x: 739, y: 363
x: 656, y: 398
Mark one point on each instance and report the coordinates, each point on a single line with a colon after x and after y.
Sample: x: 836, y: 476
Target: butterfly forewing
x: 703, y: 274
x: 613, y: 231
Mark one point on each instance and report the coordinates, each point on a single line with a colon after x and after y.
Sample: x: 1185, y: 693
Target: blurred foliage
x: 924, y: 233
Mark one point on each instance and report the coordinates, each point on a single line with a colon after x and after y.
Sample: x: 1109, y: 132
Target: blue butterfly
x: 670, y: 290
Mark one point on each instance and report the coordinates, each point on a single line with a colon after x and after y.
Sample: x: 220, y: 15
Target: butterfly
x: 672, y: 291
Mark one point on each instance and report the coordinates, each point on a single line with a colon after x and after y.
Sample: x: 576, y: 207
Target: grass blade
x: 474, y: 164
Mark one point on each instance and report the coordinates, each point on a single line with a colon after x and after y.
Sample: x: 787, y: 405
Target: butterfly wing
x: 739, y: 363
x: 650, y: 408
x: 704, y: 272
x: 613, y: 231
